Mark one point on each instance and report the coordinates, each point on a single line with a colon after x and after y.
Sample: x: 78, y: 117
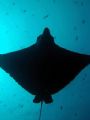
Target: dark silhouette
x: 43, y: 68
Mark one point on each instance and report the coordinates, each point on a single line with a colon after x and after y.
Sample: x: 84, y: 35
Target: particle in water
x: 21, y: 106
x: 33, y: 14
x: 7, y: 13
x: 76, y: 38
x: 13, y: 3
x: 24, y: 11
x: 17, y: 26
x: 14, y: 95
x: 45, y: 17
x: 83, y: 21
x: 76, y: 114
x: 82, y: 3
x: 75, y: 2
x: 84, y: 78
x: 75, y: 28
x: 61, y: 107
x: 54, y: 1
x: 6, y: 31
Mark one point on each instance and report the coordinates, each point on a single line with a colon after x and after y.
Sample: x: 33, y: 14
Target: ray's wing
x: 47, y: 69
x: 20, y: 64
x: 65, y: 65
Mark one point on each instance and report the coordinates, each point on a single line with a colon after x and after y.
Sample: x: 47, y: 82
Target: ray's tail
x: 40, y: 110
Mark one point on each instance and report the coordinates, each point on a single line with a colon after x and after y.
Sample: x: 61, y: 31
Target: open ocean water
x: 21, y: 21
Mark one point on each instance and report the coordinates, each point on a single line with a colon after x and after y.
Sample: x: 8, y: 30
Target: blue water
x: 21, y: 21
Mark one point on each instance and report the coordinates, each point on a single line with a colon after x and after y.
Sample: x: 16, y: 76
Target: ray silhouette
x: 44, y: 68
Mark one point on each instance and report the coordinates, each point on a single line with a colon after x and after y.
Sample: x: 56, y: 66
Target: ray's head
x: 45, y: 38
x: 46, y: 31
